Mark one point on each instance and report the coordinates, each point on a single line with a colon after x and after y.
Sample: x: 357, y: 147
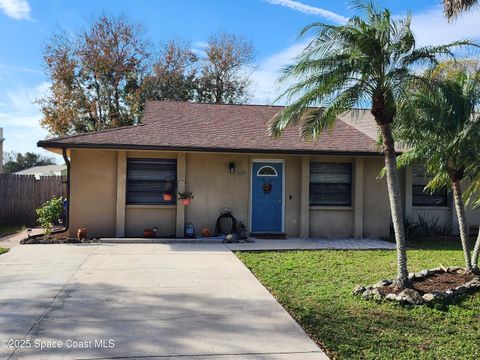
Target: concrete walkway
x: 12, y: 240
x: 269, y: 244
x: 142, y: 301
x: 313, y: 244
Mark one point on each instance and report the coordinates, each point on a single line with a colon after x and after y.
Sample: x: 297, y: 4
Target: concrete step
x: 269, y: 235
x: 160, y: 241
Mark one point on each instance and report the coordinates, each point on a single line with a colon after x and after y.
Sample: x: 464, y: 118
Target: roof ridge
x: 240, y: 105
x: 93, y: 132
x: 358, y: 130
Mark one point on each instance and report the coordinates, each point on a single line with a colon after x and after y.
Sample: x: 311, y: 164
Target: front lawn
x: 316, y: 288
x: 3, y: 250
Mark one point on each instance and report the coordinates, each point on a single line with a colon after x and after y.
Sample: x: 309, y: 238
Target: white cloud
x: 21, y: 99
x: 24, y: 120
x: 310, y: 10
x: 432, y: 28
x: 200, y: 44
x: 23, y: 139
x: 20, y: 118
x: 265, y: 85
x: 16, y: 9
x: 10, y: 68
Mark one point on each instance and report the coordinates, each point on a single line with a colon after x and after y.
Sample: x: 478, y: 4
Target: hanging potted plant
x: 167, y: 195
x: 186, y: 197
x: 169, y: 190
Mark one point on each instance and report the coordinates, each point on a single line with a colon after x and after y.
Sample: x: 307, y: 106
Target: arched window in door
x: 267, y: 171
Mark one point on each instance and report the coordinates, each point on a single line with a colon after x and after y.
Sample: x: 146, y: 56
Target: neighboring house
x: 47, y: 170
x: 225, y: 156
x: 2, y: 139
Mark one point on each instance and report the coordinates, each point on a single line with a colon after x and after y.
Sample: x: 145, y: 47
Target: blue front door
x: 267, y: 196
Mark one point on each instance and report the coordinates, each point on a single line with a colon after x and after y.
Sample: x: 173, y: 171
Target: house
x: 47, y: 170
x: 224, y: 155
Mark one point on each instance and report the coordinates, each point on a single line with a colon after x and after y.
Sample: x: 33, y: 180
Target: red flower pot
x: 186, y: 201
x: 167, y: 197
x: 148, y: 233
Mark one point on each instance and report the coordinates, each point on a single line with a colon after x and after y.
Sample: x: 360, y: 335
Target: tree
x: 96, y: 77
x: 15, y: 162
x: 452, y: 8
x: 452, y: 69
x: 369, y: 59
x: 473, y: 199
x: 174, y: 73
x: 439, y: 126
x: 224, y: 71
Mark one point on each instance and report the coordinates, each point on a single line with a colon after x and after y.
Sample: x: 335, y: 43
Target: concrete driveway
x: 141, y: 301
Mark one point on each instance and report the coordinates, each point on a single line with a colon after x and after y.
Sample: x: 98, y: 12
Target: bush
x: 423, y: 227
x: 49, y: 212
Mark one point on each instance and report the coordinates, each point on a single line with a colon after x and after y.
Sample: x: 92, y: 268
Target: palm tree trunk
x: 476, y: 252
x: 395, y: 204
x: 462, y: 222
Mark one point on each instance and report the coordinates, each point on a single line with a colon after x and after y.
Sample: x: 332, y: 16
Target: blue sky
x: 272, y: 25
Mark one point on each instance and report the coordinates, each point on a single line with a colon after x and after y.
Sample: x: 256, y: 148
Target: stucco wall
x: 442, y: 214
x: 445, y: 215
x: 94, y: 196
x: 138, y: 218
x: 293, y: 188
x: 473, y: 216
x: 376, y: 205
x: 331, y: 223
x: 93, y: 192
x: 214, y: 187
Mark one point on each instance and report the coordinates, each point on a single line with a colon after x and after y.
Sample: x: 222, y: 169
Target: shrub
x: 49, y: 212
x: 424, y: 227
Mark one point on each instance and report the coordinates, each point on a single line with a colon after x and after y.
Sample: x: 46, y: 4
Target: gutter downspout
x: 67, y: 212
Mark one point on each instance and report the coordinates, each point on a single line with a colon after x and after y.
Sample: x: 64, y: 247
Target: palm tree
x: 452, y: 8
x: 367, y: 60
x: 440, y: 128
x: 473, y: 199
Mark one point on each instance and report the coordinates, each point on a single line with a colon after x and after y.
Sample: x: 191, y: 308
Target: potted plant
x: 186, y: 197
x: 168, y: 192
x: 167, y: 195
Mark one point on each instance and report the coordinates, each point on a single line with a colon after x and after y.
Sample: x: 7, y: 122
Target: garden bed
x: 55, y: 240
x: 426, y: 286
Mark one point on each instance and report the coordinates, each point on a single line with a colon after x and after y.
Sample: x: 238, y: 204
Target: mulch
x: 434, y: 282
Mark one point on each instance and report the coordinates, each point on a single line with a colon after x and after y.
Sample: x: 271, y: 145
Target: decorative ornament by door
x: 267, y: 187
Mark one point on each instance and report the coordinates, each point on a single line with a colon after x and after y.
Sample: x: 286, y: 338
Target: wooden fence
x: 21, y: 195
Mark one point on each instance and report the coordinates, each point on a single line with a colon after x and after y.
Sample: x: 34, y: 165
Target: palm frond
x: 452, y: 8
x: 372, y: 55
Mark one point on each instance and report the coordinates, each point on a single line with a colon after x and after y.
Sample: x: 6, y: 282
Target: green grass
x: 3, y: 250
x: 10, y: 229
x: 316, y: 289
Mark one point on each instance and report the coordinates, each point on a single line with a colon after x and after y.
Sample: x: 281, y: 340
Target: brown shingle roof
x: 208, y: 127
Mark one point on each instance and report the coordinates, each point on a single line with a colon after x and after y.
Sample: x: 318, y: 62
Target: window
x: 330, y: 184
x: 267, y: 171
x: 149, y: 179
x: 422, y: 197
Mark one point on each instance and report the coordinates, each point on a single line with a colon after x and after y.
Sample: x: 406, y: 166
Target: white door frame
x: 281, y: 161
